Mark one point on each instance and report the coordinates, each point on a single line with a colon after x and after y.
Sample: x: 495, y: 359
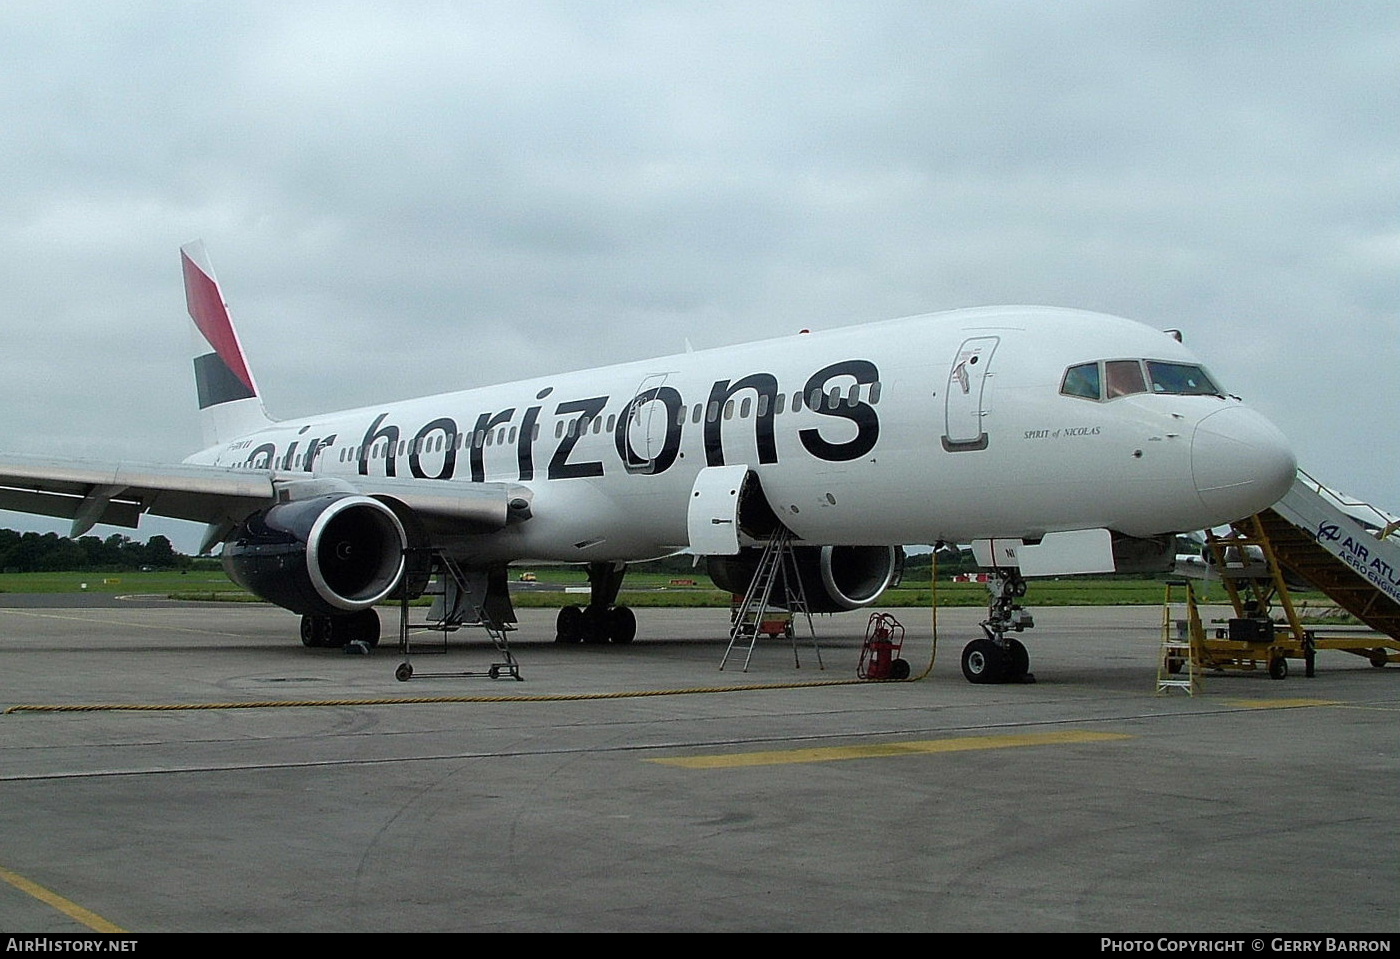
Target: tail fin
x: 229, y: 404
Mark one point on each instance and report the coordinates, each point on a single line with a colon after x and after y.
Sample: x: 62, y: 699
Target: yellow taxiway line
x: 925, y: 747
x: 66, y: 906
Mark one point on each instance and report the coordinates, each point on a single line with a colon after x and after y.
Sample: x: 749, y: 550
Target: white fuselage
x: 941, y: 427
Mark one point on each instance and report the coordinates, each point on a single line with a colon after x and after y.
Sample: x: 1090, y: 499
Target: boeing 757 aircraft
x: 1054, y: 440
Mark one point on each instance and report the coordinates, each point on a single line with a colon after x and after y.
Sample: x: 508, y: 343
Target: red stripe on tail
x: 207, y: 309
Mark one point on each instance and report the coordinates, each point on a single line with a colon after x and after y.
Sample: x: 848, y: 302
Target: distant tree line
x: 51, y: 553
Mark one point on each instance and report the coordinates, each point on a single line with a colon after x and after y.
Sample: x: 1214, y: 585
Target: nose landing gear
x: 997, y: 658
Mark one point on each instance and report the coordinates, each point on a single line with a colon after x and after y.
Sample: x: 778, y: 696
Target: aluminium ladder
x: 777, y: 567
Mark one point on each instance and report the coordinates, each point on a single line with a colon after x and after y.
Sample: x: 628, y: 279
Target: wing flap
x: 116, y: 512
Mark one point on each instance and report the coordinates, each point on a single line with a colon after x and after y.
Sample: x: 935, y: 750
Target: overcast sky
x: 405, y: 198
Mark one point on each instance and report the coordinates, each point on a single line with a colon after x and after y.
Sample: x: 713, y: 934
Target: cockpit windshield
x: 1109, y: 379
x: 1180, y: 378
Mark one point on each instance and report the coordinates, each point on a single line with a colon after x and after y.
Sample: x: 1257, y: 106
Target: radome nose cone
x: 1240, y: 463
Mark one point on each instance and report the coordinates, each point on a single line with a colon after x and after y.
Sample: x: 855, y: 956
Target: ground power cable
x: 933, y: 605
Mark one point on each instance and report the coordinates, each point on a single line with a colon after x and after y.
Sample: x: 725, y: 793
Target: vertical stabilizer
x: 229, y: 404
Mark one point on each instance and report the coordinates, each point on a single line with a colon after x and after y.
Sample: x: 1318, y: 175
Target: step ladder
x: 449, y: 584
x: 1183, y: 637
x: 777, y: 567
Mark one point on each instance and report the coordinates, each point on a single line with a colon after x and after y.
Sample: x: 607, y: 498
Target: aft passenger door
x: 963, y: 399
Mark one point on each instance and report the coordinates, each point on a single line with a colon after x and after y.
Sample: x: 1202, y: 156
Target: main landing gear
x: 596, y: 624
x: 361, y: 627
x: 997, y: 658
x: 600, y: 621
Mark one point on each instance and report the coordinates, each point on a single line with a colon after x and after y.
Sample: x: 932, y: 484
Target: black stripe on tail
x: 217, y: 383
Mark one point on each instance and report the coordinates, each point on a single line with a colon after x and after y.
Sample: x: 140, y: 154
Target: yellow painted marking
x: 877, y: 750
x: 1281, y: 703
x: 69, y: 908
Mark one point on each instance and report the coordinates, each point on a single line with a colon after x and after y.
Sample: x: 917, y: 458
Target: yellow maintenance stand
x: 1183, y: 636
x: 1348, y: 550
x: 1254, y: 581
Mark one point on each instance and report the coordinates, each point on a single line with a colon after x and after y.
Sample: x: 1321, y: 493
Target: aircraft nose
x: 1240, y: 463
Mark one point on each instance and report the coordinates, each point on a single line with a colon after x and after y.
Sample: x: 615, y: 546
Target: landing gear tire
x: 983, y: 662
x: 336, y: 634
x: 314, y: 630
x: 569, y: 626
x: 1379, y: 658
x: 363, y: 627
x: 595, y: 624
x: 1278, y: 668
x: 1018, y: 661
x: 622, y: 625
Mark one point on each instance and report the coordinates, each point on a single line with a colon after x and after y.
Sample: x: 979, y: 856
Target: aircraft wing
x: 116, y: 494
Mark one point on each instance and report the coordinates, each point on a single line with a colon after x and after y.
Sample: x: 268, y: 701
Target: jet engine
x: 834, y: 578
x: 323, y: 556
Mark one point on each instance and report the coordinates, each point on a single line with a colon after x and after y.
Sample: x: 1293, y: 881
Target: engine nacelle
x: 834, y: 578
x: 323, y: 556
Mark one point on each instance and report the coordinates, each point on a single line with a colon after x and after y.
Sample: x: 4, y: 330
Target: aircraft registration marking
x: 925, y: 747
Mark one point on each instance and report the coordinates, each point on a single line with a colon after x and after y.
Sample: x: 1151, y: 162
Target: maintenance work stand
x: 457, y: 602
x: 774, y: 600
x: 1348, y: 550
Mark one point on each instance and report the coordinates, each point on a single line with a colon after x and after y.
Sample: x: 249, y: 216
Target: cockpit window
x: 1180, y: 378
x: 1109, y: 379
x: 1082, y: 380
x: 1124, y: 377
